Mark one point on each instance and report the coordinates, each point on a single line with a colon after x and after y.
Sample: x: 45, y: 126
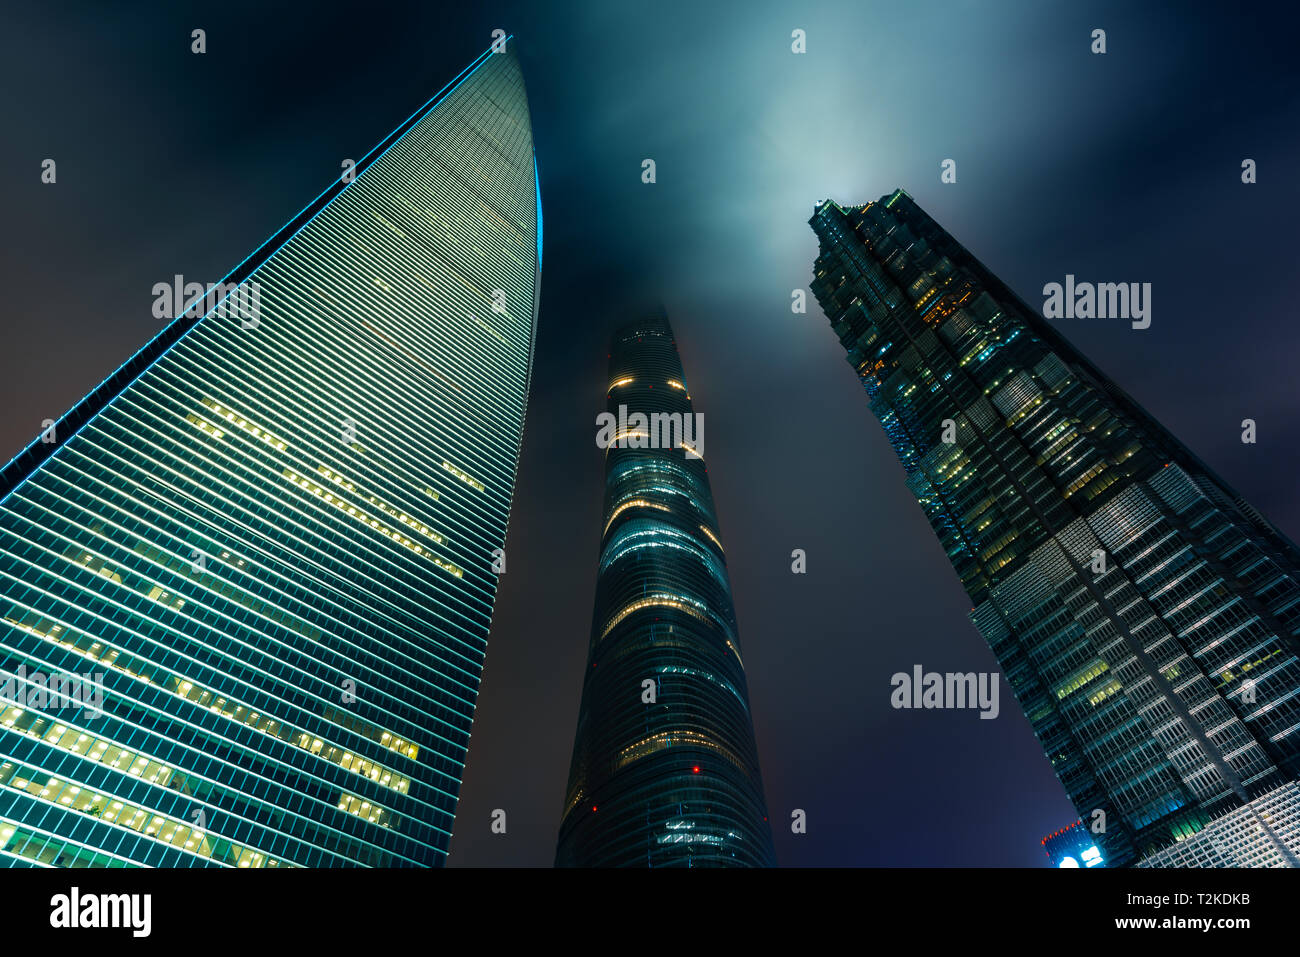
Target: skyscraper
x: 1144, y: 614
x: 265, y: 546
x: 665, y: 771
x: 1072, y: 846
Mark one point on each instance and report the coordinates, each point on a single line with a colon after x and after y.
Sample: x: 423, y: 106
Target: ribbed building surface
x: 665, y: 771
x: 272, y: 535
x: 1144, y: 614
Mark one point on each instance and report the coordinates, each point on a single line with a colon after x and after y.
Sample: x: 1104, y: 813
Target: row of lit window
x: 713, y: 538
x: 1081, y: 679
x: 226, y: 589
x: 164, y: 597
x: 269, y: 439
x: 463, y: 476
x: 1103, y: 693
x: 735, y: 651
x: 102, y: 751
x: 97, y: 565
x: 134, y: 667
x: 690, y: 606
x: 405, y: 520
x: 233, y: 419
x: 691, y: 839
x: 635, y: 536
x: 578, y: 792
x: 627, y: 380
x: 1228, y: 676
x: 83, y: 645
x: 206, y: 698
x: 669, y: 739
x: 92, y: 748
x: 167, y: 830
x: 1084, y: 479
x: 383, y: 506
x: 375, y: 733
x: 204, y: 426
x: 634, y: 503
x: 332, y: 753
x: 352, y: 762
x: 708, y: 676
x: 342, y: 505
x: 366, y: 810
x: 621, y: 440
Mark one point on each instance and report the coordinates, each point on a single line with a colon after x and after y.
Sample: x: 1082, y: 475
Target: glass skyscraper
x: 1073, y: 846
x: 665, y: 771
x: 265, y: 546
x: 1144, y: 614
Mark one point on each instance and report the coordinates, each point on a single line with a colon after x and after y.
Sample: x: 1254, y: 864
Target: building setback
x: 1144, y: 614
x: 270, y: 535
x: 665, y: 771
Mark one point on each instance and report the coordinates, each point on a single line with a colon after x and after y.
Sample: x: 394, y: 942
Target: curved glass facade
x: 264, y: 547
x: 1145, y: 615
x: 665, y: 771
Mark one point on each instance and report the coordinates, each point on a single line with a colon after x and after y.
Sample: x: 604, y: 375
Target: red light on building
x: 696, y: 769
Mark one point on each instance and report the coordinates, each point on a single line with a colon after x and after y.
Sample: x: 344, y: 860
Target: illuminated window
x: 681, y: 603
x: 204, y: 426
x: 713, y: 538
x: 463, y: 476
x: 233, y: 420
x: 86, y: 801
x: 375, y: 733
x: 634, y: 503
x: 366, y: 810
x: 329, y: 498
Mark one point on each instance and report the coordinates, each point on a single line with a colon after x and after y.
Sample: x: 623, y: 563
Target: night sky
x: 1124, y: 167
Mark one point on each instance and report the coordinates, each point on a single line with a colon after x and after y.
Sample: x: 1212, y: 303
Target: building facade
x: 1073, y: 847
x: 665, y: 770
x: 264, y: 548
x: 1144, y: 614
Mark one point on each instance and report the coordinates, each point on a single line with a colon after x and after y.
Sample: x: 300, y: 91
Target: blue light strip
x: 537, y: 188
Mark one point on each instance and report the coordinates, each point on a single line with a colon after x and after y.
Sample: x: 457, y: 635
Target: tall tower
x: 1143, y: 613
x: 268, y: 539
x: 665, y: 771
